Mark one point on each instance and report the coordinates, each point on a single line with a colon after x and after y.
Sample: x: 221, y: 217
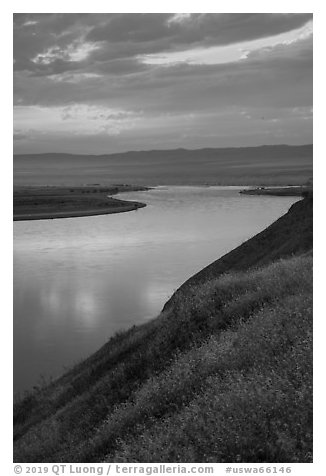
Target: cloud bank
x: 102, y: 83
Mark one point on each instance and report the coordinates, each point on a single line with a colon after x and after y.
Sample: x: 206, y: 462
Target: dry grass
x: 224, y: 375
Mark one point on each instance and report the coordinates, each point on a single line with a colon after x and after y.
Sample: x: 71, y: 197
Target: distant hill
x: 265, y: 165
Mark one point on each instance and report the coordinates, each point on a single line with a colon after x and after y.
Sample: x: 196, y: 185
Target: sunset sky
x: 104, y: 83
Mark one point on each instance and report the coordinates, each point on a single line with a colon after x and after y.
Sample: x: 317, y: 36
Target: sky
x: 114, y: 82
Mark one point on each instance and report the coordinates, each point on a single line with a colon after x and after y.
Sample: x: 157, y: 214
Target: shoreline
x: 54, y: 202
x: 132, y: 206
x: 47, y: 202
x: 290, y: 191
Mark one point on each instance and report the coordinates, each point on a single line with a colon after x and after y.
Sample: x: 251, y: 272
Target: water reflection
x: 78, y: 281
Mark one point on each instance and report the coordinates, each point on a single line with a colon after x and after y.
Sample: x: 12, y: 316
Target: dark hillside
x: 291, y: 234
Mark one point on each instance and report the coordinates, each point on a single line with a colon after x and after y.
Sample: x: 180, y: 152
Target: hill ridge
x: 180, y: 149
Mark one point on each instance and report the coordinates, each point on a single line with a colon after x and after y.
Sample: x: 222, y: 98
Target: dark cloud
x: 121, y: 66
x: 66, y: 60
x: 279, y: 76
x: 120, y: 36
x: 35, y: 34
x: 199, y: 29
x: 135, y: 27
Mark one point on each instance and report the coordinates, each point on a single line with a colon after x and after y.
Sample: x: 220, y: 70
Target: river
x: 77, y: 281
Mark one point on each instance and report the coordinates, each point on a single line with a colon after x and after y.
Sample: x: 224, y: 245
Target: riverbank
x: 223, y: 374
x: 293, y: 191
x: 49, y: 202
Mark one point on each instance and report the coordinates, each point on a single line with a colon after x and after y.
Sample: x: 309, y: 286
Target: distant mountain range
x: 267, y: 165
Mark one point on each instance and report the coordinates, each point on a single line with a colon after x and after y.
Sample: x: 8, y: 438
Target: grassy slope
x: 224, y: 374
x: 290, y: 234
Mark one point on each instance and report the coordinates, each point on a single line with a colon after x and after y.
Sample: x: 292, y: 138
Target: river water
x: 77, y: 281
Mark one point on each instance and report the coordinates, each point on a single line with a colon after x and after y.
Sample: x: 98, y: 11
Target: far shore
x: 44, y: 202
x: 50, y: 202
x: 291, y: 191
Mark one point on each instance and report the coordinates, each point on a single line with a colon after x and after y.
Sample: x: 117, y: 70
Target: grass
x: 223, y: 375
x: 291, y: 234
x: 244, y: 396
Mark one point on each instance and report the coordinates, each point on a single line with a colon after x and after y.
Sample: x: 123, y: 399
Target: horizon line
x: 167, y: 150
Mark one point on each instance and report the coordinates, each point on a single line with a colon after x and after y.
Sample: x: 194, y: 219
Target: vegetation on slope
x: 243, y: 395
x: 224, y: 374
x: 291, y: 234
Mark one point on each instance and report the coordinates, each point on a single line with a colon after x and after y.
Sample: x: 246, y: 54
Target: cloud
x: 285, y: 72
x: 86, y: 75
x: 200, y: 29
x: 20, y: 136
x: 47, y: 44
x: 132, y: 27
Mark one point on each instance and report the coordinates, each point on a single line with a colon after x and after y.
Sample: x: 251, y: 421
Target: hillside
x: 265, y: 165
x: 222, y: 375
x: 290, y: 234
